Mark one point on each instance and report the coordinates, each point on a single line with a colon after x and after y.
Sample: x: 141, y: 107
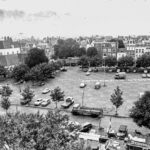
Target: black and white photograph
x: 74, y: 74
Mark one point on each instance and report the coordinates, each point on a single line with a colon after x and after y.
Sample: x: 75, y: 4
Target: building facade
x: 106, y: 48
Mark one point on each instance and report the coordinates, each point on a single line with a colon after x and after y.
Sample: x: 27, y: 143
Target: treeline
x: 36, y: 68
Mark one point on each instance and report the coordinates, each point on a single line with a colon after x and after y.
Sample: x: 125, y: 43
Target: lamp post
x: 104, y: 70
x: 83, y: 96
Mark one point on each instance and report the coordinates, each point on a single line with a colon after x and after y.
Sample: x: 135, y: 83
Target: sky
x: 70, y: 18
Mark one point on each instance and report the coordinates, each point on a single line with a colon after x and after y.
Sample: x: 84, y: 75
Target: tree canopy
x: 140, y: 112
x: 19, y: 72
x: 3, y: 71
x: 57, y: 95
x: 66, y: 48
x: 143, y: 61
x: 35, y: 56
x: 37, y: 132
x: 126, y: 61
x: 110, y: 61
x: 116, y: 98
x: 27, y: 94
x: 91, y: 51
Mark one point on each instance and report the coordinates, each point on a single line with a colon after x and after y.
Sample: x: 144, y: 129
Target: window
x: 1, y: 53
x: 104, y: 50
x: 139, y: 50
x: 7, y: 53
x: 142, y: 50
x: 136, y: 50
x: 109, y: 50
x: 12, y: 52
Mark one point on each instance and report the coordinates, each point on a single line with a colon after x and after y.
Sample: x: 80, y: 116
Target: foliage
x: 6, y: 91
x: 95, y: 61
x: 57, y: 95
x: 66, y: 48
x: 35, y: 56
x: 19, y: 72
x: 27, y: 94
x: 5, y: 103
x: 84, y: 61
x: 125, y: 61
x: 37, y: 132
x: 110, y: 61
x: 143, y: 61
x: 36, y: 74
x: 80, y: 52
x: 3, y: 71
x: 140, y: 112
x: 116, y: 98
x: 47, y: 69
x: 91, y: 51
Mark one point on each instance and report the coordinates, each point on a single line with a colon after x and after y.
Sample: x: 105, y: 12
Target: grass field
x: 69, y: 82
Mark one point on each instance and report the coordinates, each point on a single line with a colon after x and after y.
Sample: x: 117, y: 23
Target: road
x: 115, y: 122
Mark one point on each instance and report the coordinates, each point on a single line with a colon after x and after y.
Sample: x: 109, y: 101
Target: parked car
x: 111, y: 134
x: 87, y: 73
x: 144, y: 75
x: 85, y: 69
x: 95, y: 69
x: 41, y: 83
x: 63, y: 69
x: 120, y: 75
x: 86, y: 127
x: 68, y: 102
x: 82, y: 85
x: 90, y: 70
x: 24, y: 102
x: 122, y: 132
x: 148, y: 75
x: 97, y: 85
x: 45, y: 102
x: 38, y: 102
x: 45, y: 91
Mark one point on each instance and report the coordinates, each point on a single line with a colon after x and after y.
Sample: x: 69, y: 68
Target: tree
x: 125, y: 61
x: 84, y: 61
x: 110, y: 61
x: 35, y: 56
x: 57, y: 95
x: 80, y: 52
x: 66, y: 48
x: 36, y: 74
x: 19, y: 72
x: 5, y: 103
x: 27, y: 94
x: 140, y: 112
x: 95, y: 61
x: 91, y: 51
x: 116, y: 98
x: 143, y: 61
x: 6, y: 91
x: 3, y: 71
x: 37, y: 132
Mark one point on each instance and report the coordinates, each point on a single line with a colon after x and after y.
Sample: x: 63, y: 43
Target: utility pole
x: 83, y: 96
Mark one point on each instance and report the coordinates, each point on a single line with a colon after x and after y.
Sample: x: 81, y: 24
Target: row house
x: 122, y: 52
x: 140, y: 50
x: 106, y: 48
